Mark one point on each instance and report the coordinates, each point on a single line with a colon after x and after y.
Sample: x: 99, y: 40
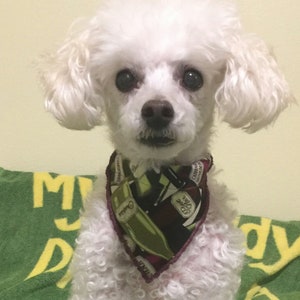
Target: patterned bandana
x: 155, y: 214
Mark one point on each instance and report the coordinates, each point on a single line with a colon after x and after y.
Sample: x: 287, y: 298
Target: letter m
x: 53, y: 184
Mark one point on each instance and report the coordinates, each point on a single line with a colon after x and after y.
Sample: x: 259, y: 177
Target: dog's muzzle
x: 157, y: 115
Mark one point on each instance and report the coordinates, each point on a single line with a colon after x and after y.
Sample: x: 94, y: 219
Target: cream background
x: 262, y: 169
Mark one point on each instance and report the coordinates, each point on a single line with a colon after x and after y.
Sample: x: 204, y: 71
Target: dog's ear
x: 253, y: 91
x: 69, y: 87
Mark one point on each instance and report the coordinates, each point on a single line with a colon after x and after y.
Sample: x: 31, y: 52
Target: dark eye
x: 126, y: 81
x: 192, y: 80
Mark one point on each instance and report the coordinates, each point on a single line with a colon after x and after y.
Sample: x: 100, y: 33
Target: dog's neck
x: 193, y: 153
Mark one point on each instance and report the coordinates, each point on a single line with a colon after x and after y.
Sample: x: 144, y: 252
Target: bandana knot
x: 156, y: 215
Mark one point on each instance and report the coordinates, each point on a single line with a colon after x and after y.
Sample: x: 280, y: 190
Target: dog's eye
x: 126, y: 81
x: 192, y: 80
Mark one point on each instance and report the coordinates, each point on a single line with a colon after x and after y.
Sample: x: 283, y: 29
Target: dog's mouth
x: 157, y: 139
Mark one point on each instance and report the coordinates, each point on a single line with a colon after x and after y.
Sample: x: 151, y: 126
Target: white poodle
x: 158, y: 226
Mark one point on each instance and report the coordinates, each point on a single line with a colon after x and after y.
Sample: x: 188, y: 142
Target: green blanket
x: 39, y: 219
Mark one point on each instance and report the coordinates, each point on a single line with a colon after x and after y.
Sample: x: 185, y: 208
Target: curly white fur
x: 157, y: 40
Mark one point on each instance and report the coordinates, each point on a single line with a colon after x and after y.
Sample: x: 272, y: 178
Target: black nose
x: 157, y: 114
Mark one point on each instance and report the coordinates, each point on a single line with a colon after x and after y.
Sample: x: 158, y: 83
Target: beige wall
x: 261, y: 169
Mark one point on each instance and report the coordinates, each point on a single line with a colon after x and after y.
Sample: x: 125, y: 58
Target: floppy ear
x: 253, y: 91
x: 69, y: 87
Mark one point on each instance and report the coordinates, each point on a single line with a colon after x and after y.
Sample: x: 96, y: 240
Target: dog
x: 158, y: 225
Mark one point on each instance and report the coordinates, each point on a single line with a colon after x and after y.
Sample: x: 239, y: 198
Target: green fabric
x: 272, y: 269
x: 38, y: 224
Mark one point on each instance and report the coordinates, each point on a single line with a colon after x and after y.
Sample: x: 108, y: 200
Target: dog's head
x: 157, y: 69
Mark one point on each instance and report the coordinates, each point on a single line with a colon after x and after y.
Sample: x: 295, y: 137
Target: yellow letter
x: 262, y: 232
x: 257, y: 290
x: 85, y: 185
x: 62, y: 224
x: 53, y: 185
x: 287, y: 253
x: 62, y: 283
x: 45, y: 258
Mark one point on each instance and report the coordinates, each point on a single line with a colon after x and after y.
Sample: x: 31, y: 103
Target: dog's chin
x: 157, y: 146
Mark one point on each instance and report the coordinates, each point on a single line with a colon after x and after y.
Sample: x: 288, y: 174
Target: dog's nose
x: 157, y: 114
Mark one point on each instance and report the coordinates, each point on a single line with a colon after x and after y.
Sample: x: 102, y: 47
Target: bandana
x: 156, y: 215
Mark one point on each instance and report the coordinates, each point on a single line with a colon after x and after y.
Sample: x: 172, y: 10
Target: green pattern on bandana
x: 157, y: 214
x: 136, y: 223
